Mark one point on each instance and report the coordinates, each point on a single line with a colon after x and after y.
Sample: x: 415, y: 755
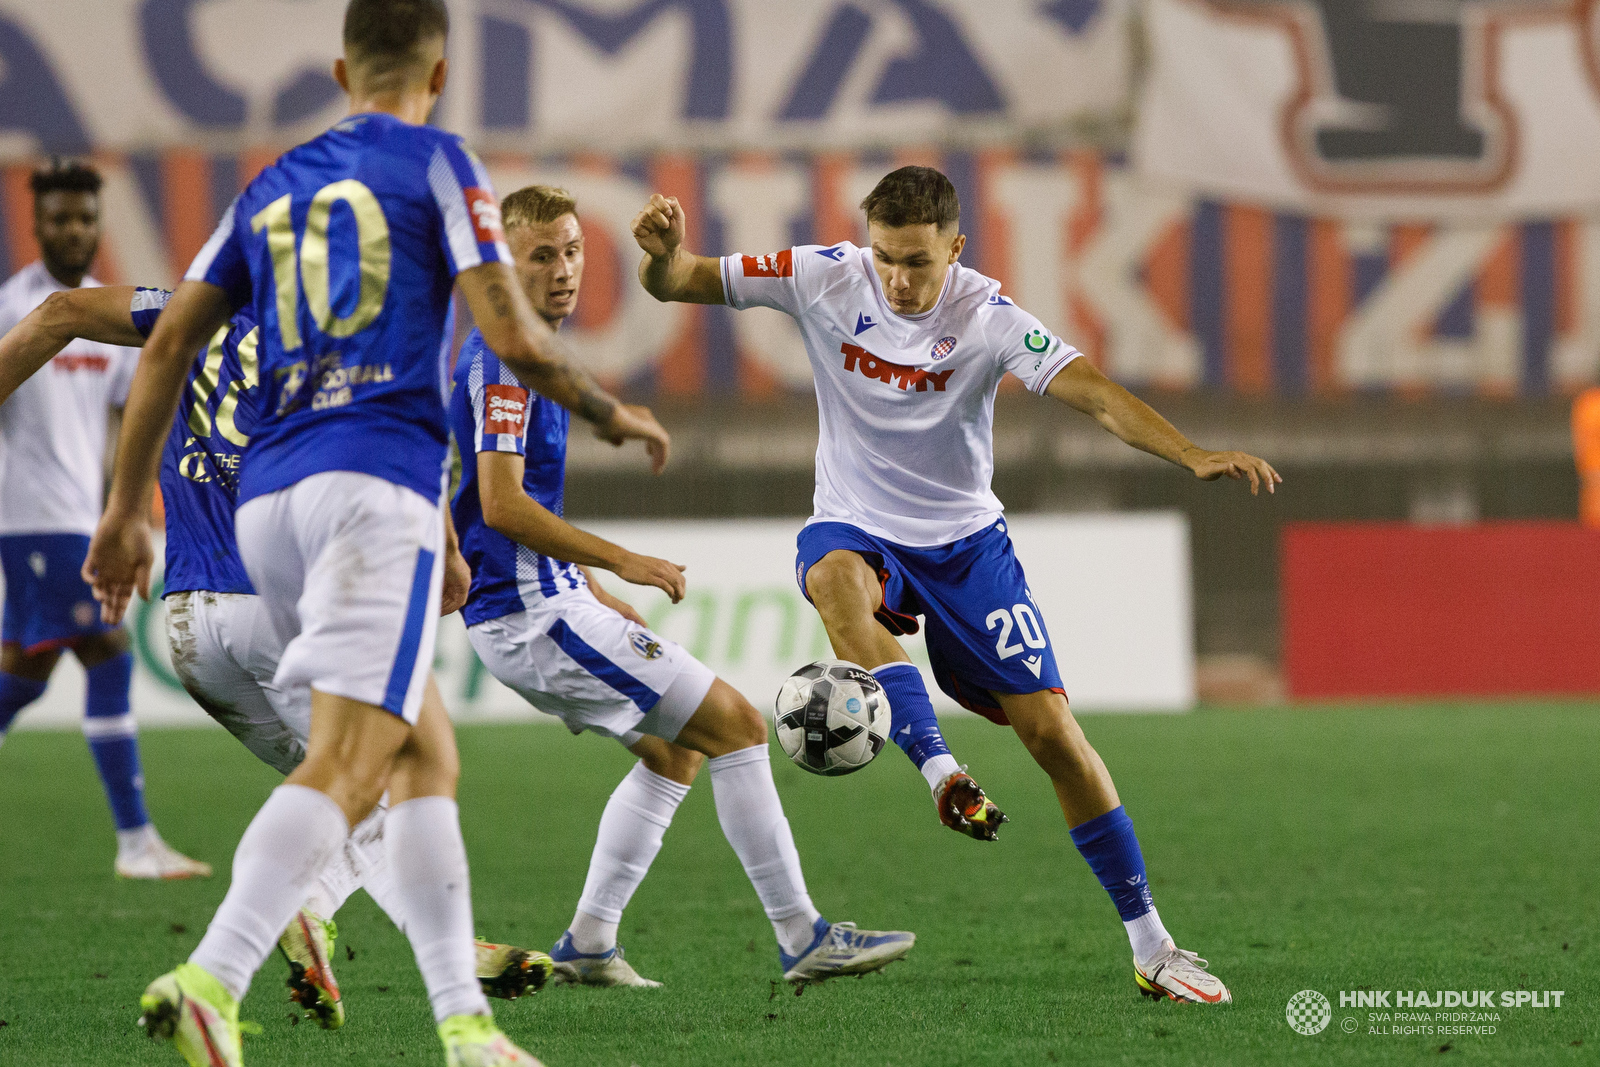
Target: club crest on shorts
x: 644, y: 644
x: 944, y: 347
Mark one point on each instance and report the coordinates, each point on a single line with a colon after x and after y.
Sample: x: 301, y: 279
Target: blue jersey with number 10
x: 348, y: 246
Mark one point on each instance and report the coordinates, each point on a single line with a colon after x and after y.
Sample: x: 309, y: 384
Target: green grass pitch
x: 1392, y: 848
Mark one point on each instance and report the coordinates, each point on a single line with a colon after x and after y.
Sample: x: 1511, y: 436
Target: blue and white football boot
x: 603, y: 968
x: 839, y: 948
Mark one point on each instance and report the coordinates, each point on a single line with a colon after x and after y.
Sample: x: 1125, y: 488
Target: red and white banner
x: 1389, y: 109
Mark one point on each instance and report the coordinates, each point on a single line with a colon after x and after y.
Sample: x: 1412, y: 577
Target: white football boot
x: 839, y: 948
x: 142, y: 854
x: 602, y: 968
x: 1179, y: 974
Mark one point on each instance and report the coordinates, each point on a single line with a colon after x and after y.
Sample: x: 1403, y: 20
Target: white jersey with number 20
x: 906, y: 404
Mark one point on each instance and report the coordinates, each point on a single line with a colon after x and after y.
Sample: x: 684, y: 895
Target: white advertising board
x: 1114, y: 590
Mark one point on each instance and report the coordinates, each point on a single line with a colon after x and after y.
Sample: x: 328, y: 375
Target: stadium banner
x: 1122, y: 627
x: 1490, y: 610
x: 1161, y: 290
x: 122, y: 75
x: 1379, y: 109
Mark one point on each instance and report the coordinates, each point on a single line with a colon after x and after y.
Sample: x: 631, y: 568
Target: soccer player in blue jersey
x: 348, y: 246
x: 221, y: 642
x: 907, y: 349
x: 52, y: 448
x: 546, y: 629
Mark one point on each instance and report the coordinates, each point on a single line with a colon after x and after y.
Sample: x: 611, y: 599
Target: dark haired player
x: 52, y: 448
x: 348, y: 248
x: 907, y: 349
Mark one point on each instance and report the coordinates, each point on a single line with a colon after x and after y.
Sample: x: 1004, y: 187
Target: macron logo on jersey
x: 864, y: 323
x: 835, y: 254
x: 859, y: 359
x: 771, y: 265
x: 1000, y: 301
x: 485, y: 216
x: 505, y: 409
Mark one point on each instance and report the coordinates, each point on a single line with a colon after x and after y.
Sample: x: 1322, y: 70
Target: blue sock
x: 15, y: 694
x: 1112, y: 849
x: 912, y: 724
x: 113, y: 739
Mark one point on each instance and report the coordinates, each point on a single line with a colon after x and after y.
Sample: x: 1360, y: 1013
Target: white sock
x: 1146, y: 934
x: 137, y: 839
x: 361, y: 861
x: 631, y: 828
x: 592, y: 936
x: 752, y: 820
x: 291, y: 838
x: 937, y: 768
x: 429, y: 860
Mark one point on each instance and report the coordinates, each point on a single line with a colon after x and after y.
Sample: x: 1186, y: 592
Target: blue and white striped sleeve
x: 499, y: 403
x: 146, y: 308
x: 468, y: 209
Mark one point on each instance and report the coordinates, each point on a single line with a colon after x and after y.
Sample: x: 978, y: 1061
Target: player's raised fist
x: 660, y: 227
x: 634, y: 422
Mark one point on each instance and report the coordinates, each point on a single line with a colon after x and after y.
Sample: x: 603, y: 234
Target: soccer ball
x: 833, y: 717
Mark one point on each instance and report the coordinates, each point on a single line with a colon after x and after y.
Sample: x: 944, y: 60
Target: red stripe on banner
x: 1166, y: 275
x: 829, y: 171
x: 19, y: 217
x: 920, y: 156
x: 1088, y: 330
x: 1328, y: 297
x: 186, y: 197
x: 253, y: 161
x: 1488, y: 610
x: 996, y: 260
x: 756, y: 378
x: 1568, y: 295
x: 1247, y: 255
x: 681, y: 370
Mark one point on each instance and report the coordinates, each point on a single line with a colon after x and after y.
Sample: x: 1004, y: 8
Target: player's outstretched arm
x: 670, y: 272
x: 120, y: 555
x: 526, y: 343
x: 1080, y: 385
x: 102, y: 315
x: 509, y: 509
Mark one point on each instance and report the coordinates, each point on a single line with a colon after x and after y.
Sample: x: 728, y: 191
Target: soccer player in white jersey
x: 348, y: 248
x: 545, y: 628
x: 907, y: 348
x: 52, y: 447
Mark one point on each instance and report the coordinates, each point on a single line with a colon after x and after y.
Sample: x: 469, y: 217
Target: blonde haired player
x: 544, y: 628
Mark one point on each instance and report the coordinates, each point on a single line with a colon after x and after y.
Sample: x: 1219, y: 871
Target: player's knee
x: 840, y: 579
x: 738, y: 724
x: 673, y: 762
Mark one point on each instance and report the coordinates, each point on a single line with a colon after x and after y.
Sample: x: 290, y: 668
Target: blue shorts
x: 985, y: 633
x: 48, y: 604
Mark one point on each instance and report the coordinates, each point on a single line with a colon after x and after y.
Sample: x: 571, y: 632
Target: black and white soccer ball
x: 833, y: 717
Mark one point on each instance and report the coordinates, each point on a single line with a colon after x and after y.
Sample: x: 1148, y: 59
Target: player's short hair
x: 385, y: 36
x: 913, y: 196
x: 536, y: 205
x: 63, y: 176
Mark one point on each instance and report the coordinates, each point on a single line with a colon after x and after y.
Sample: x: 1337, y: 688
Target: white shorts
x: 349, y: 567
x: 577, y: 659
x: 225, y: 653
